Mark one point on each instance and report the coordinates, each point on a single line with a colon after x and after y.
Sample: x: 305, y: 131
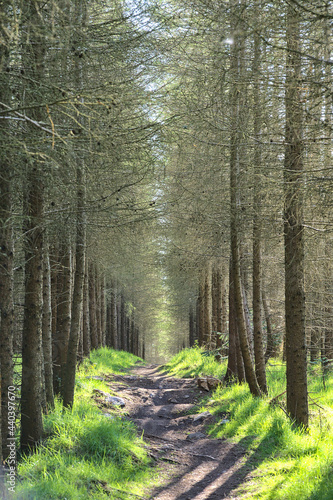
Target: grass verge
x: 87, y: 454
x: 282, y: 463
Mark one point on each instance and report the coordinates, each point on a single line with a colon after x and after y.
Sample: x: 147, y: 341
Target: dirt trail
x: 191, y: 465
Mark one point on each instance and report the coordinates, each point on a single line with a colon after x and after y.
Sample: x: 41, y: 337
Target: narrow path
x: 191, y: 465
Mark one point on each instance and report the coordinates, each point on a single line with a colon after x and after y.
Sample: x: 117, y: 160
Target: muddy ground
x: 189, y: 464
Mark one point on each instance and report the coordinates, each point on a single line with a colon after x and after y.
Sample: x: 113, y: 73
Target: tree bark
x: 31, y: 415
x: 258, y: 340
x: 297, y: 394
x: 47, y: 328
x: 238, y: 107
x: 70, y: 369
x: 60, y: 343
x: 92, y: 307
x: 114, y: 329
x: 207, y: 307
x: 6, y: 249
x: 85, y: 314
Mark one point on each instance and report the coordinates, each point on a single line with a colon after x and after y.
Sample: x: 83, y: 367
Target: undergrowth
x: 282, y: 462
x: 87, y: 454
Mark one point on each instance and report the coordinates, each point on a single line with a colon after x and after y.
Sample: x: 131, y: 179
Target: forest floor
x: 189, y: 464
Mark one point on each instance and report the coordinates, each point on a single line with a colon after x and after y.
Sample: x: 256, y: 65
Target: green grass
x: 282, y: 463
x: 87, y: 455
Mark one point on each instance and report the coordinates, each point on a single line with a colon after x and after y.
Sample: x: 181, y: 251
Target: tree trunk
x: 70, y: 371
x: 47, y: 328
x: 232, y: 368
x: 85, y: 314
x: 6, y: 299
x: 6, y: 248
x: 257, y: 209
x: 207, y: 307
x: 60, y: 343
x: 191, y: 327
x: 92, y: 307
x: 237, y: 108
x: 297, y: 395
x: 123, y: 324
x: 98, y: 306
x: 114, y: 329
x: 103, y: 311
x: 31, y: 415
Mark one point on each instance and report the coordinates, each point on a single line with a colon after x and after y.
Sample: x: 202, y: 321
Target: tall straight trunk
x: 114, y: 329
x: 207, y: 306
x: 70, y: 369
x: 98, y: 306
x: 136, y: 343
x: 54, y: 264
x: 132, y: 331
x: 215, y: 304
x: 297, y: 394
x: 31, y: 415
x: 108, y: 324
x: 47, y: 327
x: 327, y: 359
x: 118, y: 305
x: 6, y: 246
x: 6, y: 298
x: 257, y: 209
x: 123, y: 331
x: 33, y: 60
x: 272, y: 341
x: 85, y: 315
x: 60, y: 343
x: 191, y: 326
x: 201, y: 310
x: 238, y: 105
x: 328, y: 332
x: 92, y: 307
x: 235, y: 368
x: 232, y: 370
x: 6, y: 303
x: 221, y: 308
x: 103, y: 310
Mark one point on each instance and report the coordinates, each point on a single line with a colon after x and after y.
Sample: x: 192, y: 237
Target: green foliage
x: 87, y: 454
x: 286, y: 463
x: 194, y: 362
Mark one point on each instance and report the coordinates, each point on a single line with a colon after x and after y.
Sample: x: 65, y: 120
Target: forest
x: 165, y: 188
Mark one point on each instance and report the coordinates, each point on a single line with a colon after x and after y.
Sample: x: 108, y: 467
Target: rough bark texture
x: 6, y: 299
x: 207, y: 307
x: 31, y: 415
x: 6, y: 251
x: 191, y: 326
x: 114, y: 329
x: 103, y: 311
x: 60, y: 343
x: 92, y: 307
x: 297, y: 395
x: 272, y: 340
x: 70, y: 369
x: 47, y: 329
x: 85, y: 315
x: 238, y: 104
x: 257, y: 209
x: 232, y: 368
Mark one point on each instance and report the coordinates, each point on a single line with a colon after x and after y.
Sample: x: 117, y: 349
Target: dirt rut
x: 189, y: 464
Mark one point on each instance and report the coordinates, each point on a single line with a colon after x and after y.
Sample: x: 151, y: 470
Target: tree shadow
x: 221, y: 479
